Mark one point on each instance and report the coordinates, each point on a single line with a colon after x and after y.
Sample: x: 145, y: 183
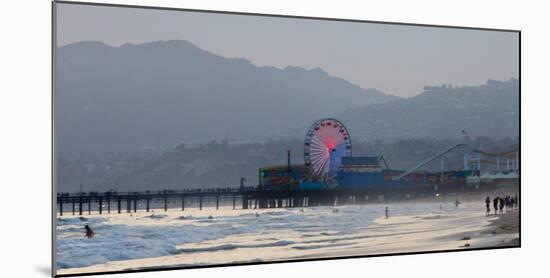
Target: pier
x: 250, y: 198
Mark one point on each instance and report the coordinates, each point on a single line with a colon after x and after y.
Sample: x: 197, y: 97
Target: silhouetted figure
x: 495, y: 204
x: 387, y: 212
x: 500, y: 204
x: 488, y: 205
x: 516, y: 201
x: 507, y: 202
x: 89, y: 233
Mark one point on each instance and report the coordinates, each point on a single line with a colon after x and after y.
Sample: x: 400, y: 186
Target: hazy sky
x: 398, y: 60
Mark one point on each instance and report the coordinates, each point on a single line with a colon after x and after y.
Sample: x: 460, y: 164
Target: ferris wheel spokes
x: 327, y: 141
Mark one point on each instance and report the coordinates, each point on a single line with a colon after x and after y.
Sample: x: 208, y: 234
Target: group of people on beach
x: 508, y: 202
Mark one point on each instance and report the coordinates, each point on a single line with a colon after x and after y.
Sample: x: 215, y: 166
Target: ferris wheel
x: 327, y: 141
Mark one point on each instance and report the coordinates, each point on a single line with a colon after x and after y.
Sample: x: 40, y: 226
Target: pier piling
x: 100, y: 205
x: 80, y: 205
x: 182, y: 202
x: 245, y: 201
x: 119, y: 204
x: 89, y: 205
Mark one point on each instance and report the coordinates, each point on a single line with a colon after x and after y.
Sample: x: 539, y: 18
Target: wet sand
x: 438, y: 232
x: 506, y: 223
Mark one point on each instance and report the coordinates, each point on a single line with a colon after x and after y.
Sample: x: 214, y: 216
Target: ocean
x: 121, y: 237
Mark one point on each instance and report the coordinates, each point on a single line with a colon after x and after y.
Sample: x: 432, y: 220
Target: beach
x: 212, y: 237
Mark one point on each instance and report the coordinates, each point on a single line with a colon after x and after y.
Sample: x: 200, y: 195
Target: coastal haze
x: 172, y: 129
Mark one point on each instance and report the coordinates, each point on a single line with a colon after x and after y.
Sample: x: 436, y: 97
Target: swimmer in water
x: 89, y: 233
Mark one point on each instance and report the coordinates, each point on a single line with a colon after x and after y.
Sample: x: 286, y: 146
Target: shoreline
x: 448, y: 230
x: 499, y: 231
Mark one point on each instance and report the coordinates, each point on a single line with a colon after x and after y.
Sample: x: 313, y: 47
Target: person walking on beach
x: 89, y: 233
x: 387, y: 212
x: 495, y: 204
x: 501, y: 204
x: 488, y: 205
x: 507, y: 202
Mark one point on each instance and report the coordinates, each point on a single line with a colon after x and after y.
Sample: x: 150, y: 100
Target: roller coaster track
x: 421, y: 164
x: 503, y: 154
x: 448, y: 150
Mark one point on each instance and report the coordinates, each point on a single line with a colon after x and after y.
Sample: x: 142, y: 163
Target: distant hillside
x: 441, y: 112
x: 218, y: 164
x: 155, y: 95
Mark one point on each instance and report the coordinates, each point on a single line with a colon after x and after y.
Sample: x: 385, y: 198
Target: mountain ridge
x: 491, y: 109
x: 120, y: 99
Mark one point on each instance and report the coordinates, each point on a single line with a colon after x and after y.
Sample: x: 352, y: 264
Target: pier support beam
x: 182, y: 202
x: 245, y: 201
x: 119, y: 200
x: 100, y: 205
x: 80, y: 205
